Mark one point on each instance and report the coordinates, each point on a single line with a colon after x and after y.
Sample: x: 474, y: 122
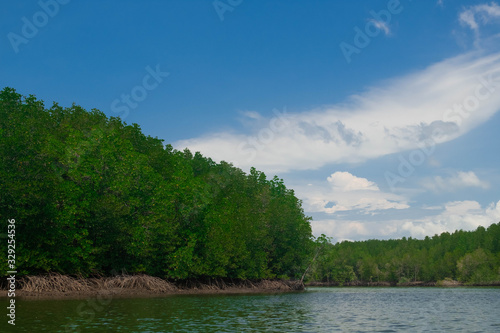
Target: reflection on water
x: 316, y: 310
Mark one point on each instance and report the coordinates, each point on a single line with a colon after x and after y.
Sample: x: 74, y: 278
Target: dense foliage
x: 466, y: 256
x: 90, y: 194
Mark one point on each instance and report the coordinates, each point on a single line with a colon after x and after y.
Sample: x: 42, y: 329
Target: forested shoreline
x: 459, y: 258
x: 93, y: 196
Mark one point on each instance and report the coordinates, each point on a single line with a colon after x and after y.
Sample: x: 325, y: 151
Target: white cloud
x: 344, y: 181
x: 449, y: 98
x: 341, y: 230
x: 432, y: 207
x: 484, y: 13
x: 345, y: 192
x: 467, y: 18
x: 465, y: 215
x: 455, y: 181
x: 475, y: 16
x: 252, y: 115
x: 461, y: 207
x: 381, y: 26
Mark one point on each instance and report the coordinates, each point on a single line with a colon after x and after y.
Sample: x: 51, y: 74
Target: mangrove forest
x: 91, y: 195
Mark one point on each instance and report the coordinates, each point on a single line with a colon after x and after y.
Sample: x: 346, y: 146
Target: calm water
x: 316, y: 310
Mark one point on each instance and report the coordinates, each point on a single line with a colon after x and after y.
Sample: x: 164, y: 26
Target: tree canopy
x: 468, y: 256
x: 91, y: 194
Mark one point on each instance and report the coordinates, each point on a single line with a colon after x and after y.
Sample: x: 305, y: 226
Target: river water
x: 315, y: 310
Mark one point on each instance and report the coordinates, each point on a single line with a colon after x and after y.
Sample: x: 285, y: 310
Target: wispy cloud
x: 475, y: 16
x: 455, y: 181
x: 450, y: 98
x: 383, y: 26
x: 342, y: 191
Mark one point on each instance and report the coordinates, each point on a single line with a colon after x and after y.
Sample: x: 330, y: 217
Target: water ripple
x: 316, y: 310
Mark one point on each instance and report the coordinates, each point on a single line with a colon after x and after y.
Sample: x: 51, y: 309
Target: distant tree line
x: 467, y: 256
x: 91, y: 194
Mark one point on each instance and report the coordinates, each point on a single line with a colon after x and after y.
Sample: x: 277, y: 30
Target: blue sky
x: 381, y: 115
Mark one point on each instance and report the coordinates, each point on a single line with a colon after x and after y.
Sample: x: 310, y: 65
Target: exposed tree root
x: 67, y: 284
x: 53, y: 282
